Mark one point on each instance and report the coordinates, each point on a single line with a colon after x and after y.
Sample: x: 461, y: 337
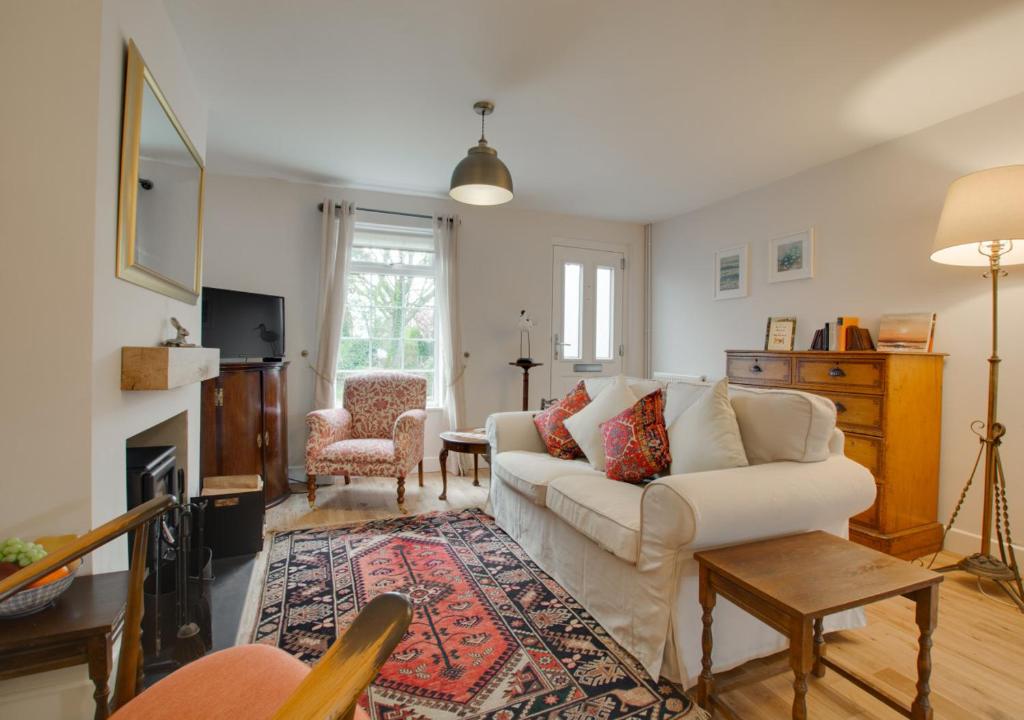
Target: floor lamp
x: 982, y: 225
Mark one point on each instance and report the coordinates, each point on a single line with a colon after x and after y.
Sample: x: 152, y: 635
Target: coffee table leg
x: 476, y: 470
x: 801, y: 659
x: 706, y: 681
x: 927, y: 612
x: 443, y: 458
x: 819, y: 647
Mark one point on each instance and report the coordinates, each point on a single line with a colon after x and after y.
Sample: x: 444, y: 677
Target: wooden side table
x: 457, y: 442
x: 79, y: 628
x: 791, y: 583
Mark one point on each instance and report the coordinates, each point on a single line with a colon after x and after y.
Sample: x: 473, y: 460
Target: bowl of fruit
x: 16, y: 554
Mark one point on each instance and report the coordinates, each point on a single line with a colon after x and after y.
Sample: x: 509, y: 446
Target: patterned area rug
x: 492, y: 636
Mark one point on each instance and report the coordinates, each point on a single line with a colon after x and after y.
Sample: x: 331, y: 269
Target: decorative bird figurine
x: 268, y: 336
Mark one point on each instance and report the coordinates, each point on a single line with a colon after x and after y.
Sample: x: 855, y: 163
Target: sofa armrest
x: 726, y: 507
x: 326, y: 427
x: 513, y: 431
x: 408, y: 436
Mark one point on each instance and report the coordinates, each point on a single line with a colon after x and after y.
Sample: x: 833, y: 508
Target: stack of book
x: 845, y: 334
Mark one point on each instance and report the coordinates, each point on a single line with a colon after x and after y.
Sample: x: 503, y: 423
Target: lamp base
x: 991, y: 568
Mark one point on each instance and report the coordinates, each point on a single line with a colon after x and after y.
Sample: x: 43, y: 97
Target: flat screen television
x: 243, y: 324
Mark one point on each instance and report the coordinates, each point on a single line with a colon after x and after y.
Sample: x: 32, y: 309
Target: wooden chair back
x: 138, y: 518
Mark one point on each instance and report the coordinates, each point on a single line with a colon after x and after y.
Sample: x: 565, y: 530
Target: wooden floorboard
x: 978, y: 657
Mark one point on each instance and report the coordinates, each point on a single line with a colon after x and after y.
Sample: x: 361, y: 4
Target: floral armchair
x: 378, y: 432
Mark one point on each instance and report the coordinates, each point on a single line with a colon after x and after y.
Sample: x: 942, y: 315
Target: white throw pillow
x: 639, y: 386
x: 706, y: 436
x: 585, y: 426
x: 680, y: 395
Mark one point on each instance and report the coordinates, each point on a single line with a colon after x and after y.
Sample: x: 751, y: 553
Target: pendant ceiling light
x: 481, y: 178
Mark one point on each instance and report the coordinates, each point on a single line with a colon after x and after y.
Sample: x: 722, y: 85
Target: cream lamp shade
x: 981, y: 209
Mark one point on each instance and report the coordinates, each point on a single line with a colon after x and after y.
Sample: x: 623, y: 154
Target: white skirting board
x: 963, y: 542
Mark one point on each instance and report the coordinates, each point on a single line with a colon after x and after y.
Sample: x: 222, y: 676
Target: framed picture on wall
x: 791, y: 257
x: 731, y: 278
x: 780, y: 333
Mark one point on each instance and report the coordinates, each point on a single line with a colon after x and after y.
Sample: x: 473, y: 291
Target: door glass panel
x: 605, y: 313
x: 572, y: 321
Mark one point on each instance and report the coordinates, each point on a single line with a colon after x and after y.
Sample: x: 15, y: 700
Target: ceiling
x: 633, y: 110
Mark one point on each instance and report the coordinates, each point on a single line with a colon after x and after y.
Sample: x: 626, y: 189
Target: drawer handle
x: 836, y: 372
x: 756, y: 368
x: 840, y: 408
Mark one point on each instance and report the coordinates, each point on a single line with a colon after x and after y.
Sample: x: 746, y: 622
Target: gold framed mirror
x: 160, y: 203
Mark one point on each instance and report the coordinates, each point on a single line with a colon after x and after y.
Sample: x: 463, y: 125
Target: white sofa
x: 625, y: 552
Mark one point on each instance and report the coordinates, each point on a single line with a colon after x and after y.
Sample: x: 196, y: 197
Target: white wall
x: 875, y: 214
x: 47, y: 208
x: 264, y: 236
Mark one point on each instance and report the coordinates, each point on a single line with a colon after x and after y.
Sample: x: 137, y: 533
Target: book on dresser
x: 889, y: 406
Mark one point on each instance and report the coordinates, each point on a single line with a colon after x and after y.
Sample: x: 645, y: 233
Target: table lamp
x: 982, y: 225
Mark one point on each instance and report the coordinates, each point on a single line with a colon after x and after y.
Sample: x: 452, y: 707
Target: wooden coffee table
x: 791, y: 583
x: 457, y: 442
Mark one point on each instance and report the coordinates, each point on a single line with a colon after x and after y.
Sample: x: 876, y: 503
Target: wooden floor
x: 978, y: 655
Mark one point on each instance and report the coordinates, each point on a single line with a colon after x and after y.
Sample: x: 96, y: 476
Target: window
x: 604, y: 313
x: 573, y: 310
x: 390, y: 318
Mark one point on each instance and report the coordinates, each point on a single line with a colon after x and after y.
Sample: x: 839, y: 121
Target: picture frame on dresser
x: 889, y: 407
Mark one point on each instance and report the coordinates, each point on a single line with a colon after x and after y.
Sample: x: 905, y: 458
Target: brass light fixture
x: 982, y: 225
x: 481, y: 178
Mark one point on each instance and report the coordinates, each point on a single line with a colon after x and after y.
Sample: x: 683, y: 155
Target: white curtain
x: 446, y: 232
x: 336, y: 238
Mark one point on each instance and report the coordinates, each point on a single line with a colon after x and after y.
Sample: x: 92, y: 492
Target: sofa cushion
x: 636, y: 441
x: 779, y: 425
x: 530, y: 472
x: 706, y: 436
x: 551, y: 424
x: 585, y: 426
x: 606, y: 511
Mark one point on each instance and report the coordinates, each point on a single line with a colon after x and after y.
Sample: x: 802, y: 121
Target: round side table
x: 456, y: 442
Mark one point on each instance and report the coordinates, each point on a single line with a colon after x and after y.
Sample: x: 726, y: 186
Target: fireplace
x: 151, y: 473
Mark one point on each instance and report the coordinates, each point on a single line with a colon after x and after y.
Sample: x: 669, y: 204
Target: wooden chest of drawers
x: 889, y: 405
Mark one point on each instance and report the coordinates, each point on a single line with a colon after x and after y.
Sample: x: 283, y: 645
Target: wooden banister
x: 341, y: 676
x: 84, y: 545
x: 138, y: 518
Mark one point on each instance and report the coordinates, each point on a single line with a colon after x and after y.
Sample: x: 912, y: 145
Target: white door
x: 587, y: 316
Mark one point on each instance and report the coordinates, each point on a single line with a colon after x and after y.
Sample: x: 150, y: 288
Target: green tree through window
x: 390, y: 320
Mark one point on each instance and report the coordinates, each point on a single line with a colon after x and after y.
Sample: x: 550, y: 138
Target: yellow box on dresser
x: 889, y: 405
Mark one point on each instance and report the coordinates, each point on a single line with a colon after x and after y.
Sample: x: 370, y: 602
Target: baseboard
x: 963, y: 542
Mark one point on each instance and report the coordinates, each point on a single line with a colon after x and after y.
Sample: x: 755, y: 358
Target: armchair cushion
x: 248, y: 681
x: 376, y: 399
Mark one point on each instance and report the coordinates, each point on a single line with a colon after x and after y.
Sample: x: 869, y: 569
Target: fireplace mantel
x: 163, y: 368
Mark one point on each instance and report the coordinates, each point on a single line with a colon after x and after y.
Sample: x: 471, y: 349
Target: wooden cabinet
x: 889, y: 405
x: 244, y: 425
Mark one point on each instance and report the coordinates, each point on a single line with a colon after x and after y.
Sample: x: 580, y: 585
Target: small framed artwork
x: 908, y: 332
x: 731, y: 272
x: 780, y: 333
x: 791, y: 257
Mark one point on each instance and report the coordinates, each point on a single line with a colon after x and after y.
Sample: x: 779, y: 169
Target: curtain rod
x: 320, y: 207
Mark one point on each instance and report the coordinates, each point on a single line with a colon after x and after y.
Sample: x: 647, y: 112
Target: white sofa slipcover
x: 626, y: 552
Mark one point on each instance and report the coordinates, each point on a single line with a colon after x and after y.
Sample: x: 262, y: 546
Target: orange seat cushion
x: 248, y: 681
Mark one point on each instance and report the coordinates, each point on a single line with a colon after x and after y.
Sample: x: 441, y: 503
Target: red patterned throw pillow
x: 636, y: 440
x: 551, y: 424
